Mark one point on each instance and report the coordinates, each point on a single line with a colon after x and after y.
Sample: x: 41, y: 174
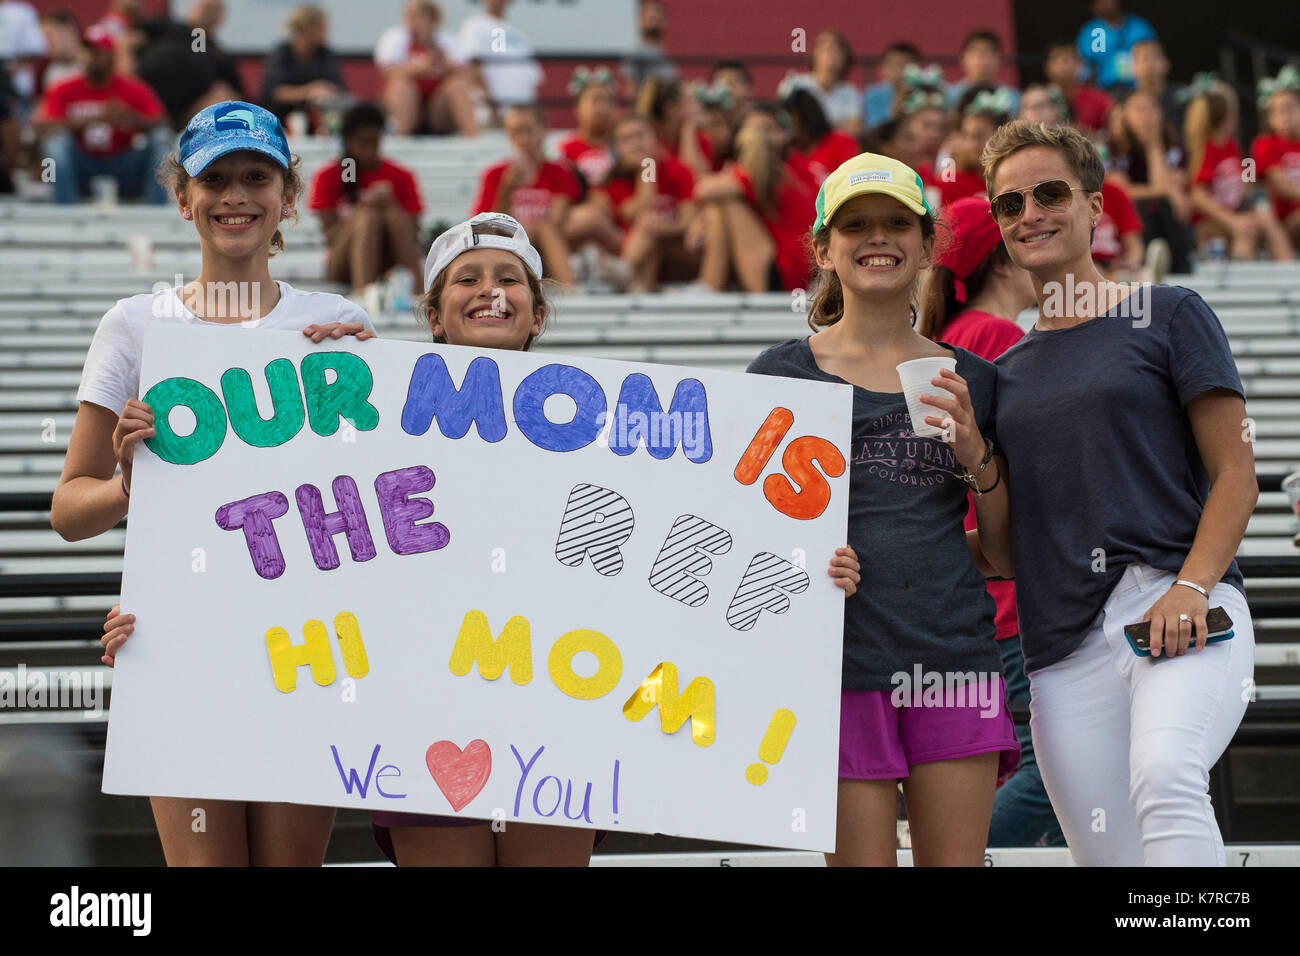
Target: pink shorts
x: 879, y: 740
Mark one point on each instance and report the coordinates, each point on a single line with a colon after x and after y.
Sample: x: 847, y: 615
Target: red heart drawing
x: 459, y: 774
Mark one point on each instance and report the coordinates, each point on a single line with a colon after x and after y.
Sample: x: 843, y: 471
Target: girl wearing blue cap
x: 234, y: 179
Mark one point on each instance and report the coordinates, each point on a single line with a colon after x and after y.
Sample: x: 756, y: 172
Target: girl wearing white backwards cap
x: 233, y: 177
x: 484, y: 289
x: 483, y: 282
x: 922, y: 698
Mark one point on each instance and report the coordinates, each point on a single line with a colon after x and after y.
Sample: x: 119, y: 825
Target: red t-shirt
x: 1090, y: 106
x: 592, y: 160
x: 527, y: 202
x: 671, y: 149
x: 794, y: 201
x: 827, y: 156
x: 1221, y: 171
x: 327, y: 192
x: 1118, y: 218
x: 1271, y: 151
x: 675, y: 182
x: 76, y: 99
x: 963, y: 184
x: 929, y: 185
x: 988, y: 336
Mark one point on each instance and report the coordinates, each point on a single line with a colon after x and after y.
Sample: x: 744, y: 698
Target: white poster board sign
x: 488, y: 584
x: 564, y: 26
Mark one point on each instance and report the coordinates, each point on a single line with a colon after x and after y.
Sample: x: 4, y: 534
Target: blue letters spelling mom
x: 639, y: 418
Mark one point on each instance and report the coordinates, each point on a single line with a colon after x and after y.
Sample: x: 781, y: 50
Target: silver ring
x: 1184, y: 617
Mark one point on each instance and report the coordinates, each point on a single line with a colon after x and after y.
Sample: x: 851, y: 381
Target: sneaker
x: 372, y: 299
x: 1158, y: 259
x: 578, y: 266
x: 614, y: 271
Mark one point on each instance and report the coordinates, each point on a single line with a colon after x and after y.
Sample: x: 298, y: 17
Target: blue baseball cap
x: 227, y: 127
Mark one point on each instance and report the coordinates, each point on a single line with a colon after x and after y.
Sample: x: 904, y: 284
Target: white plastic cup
x: 141, y: 249
x: 1291, y: 485
x: 104, y: 190
x: 915, y: 377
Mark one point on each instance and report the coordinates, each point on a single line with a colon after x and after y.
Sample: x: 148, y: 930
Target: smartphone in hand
x: 1216, y: 620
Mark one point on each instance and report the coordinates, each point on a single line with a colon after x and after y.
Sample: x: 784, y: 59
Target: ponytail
x: 939, y: 302
x: 1205, y: 114
x: 1196, y: 132
x: 827, y: 306
x: 756, y: 156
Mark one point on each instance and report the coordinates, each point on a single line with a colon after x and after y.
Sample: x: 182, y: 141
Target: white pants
x: 1125, y: 743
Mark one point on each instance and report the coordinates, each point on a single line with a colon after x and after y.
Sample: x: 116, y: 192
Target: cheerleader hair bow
x: 790, y: 82
x: 717, y: 96
x: 921, y: 98
x: 924, y: 88
x: 1062, y: 104
x: 1202, y: 84
x: 930, y: 78
x: 584, y: 77
x: 1288, y: 78
x: 997, y: 102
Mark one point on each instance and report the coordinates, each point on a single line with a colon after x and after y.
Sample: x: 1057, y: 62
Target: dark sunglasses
x: 1053, y: 194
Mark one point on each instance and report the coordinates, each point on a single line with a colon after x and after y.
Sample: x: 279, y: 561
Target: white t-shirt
x: 394, y: 47
x: 514, y: 78
x: 842, y: 104
x: 112, y: 371
x: 20, y: 31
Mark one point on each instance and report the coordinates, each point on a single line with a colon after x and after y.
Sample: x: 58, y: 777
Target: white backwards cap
x: 461, y: 238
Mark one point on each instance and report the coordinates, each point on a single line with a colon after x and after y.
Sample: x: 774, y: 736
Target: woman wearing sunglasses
x: 1120, y: 414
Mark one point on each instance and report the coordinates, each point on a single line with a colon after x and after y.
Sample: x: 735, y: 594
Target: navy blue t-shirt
x: 922, y: 600
x: 1103, y: 466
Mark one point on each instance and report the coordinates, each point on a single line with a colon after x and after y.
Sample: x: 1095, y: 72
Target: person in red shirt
x: 1117, y: 245
x: 823, y: 148
x: 1044, y: 104
x: 757, y: 212
x: 595, y: 108
x: 649, y: 195
x: 923, y: 106
x: 1223, y: 206
x: 426, y: 77
x: 369, y: 207
x: 103, y: 124
x: 676, y: 116
x: 982, y: 109
x: 717, y: 123
x: 971, y: 300
x: 1277, y: 155
x: 532, y: 189
x: 1089, y: 106
x: 590, y: 228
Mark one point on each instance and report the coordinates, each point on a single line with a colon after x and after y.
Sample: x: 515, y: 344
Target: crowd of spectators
x: 708, y: 182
